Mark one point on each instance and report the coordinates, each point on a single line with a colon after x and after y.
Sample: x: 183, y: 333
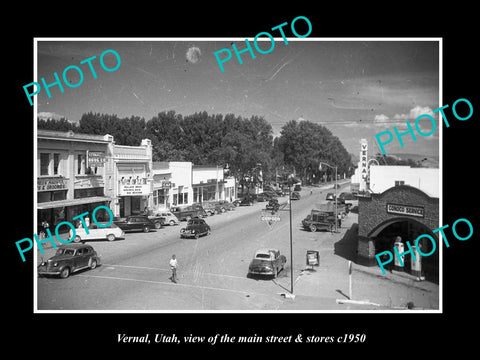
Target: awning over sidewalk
x: 72, y: 202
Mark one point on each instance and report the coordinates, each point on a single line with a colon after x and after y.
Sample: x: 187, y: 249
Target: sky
x: 354, y: 88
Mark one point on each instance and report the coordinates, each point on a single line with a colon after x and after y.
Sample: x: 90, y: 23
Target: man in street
x: 173, y: 267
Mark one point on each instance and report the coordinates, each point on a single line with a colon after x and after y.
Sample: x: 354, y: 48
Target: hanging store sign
x: 417, y: 211
x: 134, y: 190
x: 95, y: 159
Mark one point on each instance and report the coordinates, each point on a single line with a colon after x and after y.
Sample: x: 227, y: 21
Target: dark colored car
x: 267, y: 262
x: 272, y: 205
x: 247, y: 201
x: 212, y: 208
x: 295, y: 195
x: 297, y: 188
x: 266, y: 196
x: 195, y: 228
x: 330, y: 196
x: 188, y: 212
x: 135, y: 223
x: 68, y: 259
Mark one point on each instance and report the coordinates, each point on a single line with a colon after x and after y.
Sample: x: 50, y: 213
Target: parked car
x: 95, y: 232
x: 279, y: 192
x: 246, y: 201
x: 187, y: 212
x: 236, y: 202
x: 195, y: 228
x: 297, y: 188
x: 227, y: 205
x: 266, y: 196
x: 135, y: 223
x: 68, y: 259
x: 267, y: 262
x: 349, y: 199
x: 330, y: 196
x: 295, y: 195
x: 168, y: 218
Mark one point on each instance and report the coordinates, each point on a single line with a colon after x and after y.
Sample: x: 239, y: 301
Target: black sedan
x: 295, y: 195
x: 267, y: 262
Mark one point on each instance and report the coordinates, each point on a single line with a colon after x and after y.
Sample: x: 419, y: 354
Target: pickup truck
x: 135, y: 222
x: 319, y: 220
x: 188, y: 212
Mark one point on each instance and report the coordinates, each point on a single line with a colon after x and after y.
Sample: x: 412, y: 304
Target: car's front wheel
x: 77, y: 239
x: 146, y: 229
x: 172, y: 222
x: 65, y: 273
x: 158, y: 225
x: 93, y: 264
x: 313, y: 228
x: 110, y: 237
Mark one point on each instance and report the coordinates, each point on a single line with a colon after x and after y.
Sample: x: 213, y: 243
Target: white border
x: 289, y: 39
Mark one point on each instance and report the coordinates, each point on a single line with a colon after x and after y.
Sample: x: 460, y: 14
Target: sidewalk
x: 330, y: 281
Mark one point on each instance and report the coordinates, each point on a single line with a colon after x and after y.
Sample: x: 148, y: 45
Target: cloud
x: 380, y: 118
x: 49, y: 115
x: 414, y: 113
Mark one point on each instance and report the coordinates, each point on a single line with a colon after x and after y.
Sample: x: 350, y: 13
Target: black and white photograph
x: 190, y: 181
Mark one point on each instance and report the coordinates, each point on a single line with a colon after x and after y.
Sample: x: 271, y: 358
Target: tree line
x: 241, y: 145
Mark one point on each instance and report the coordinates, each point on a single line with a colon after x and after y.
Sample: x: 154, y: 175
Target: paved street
x: 212, y: 270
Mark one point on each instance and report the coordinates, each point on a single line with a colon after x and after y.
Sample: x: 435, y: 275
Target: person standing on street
x: 173, y: 267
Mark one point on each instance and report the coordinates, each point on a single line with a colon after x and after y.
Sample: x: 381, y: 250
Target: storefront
x: 399, y: 214
x: 70, y: 175
x: 132, y: 169
x: 208, y: 183
x: 172, y: 184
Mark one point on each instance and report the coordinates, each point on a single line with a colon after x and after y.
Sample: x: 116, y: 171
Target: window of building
x: 56, y: 163
x: 399, y: 182
x: 44, y: 163
x: 79, y: 164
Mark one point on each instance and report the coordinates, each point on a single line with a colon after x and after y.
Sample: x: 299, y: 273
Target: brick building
x: 402, y: 211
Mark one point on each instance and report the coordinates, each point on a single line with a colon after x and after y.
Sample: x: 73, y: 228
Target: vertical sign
x: 363, y: 164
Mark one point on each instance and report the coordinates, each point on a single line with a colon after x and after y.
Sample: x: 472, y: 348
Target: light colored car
x: 110, y: 232
x: 170, y: 218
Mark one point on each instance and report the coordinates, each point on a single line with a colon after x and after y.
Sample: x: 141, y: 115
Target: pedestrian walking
x: 173, y: 267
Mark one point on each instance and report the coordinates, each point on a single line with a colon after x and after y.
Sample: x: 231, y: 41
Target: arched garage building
x: 399, y: 209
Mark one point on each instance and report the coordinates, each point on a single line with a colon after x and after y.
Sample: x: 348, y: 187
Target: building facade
x: 71, y: 174
x: 208, y: 183
x: 172, y: 184
x: 402, y: 204
x: 132, y: 182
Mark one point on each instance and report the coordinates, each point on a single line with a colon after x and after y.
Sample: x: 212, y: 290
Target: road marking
x: 110, y: 266
x: 175, y: 284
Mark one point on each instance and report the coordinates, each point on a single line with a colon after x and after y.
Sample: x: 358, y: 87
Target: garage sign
x: 408, y: 210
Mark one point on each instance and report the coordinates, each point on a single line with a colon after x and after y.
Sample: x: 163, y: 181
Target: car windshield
x: 65, y: 252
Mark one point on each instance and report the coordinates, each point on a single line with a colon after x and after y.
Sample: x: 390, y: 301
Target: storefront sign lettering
x: 408, y: 210
x: 51, y: 184
x: 132, y: 190
x: 95, y: 158
x: 418, y: 248
x: 50, y: 238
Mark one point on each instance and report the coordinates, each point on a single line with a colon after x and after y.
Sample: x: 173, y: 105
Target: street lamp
x: 290, y: 181
x: 335, y: 186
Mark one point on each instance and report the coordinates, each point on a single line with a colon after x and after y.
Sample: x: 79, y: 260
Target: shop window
x: 80, y: 164
x: 44, y: 163
x: 185, y: 198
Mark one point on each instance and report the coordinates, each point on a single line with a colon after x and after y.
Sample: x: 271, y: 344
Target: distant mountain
x: 427, y: 160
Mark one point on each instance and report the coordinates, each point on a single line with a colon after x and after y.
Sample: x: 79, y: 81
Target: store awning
x: 72, y: 202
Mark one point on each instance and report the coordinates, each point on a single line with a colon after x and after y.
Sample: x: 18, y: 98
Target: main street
x: 212, y: 269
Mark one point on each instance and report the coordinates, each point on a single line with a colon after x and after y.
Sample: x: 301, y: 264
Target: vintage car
x: 349, y: 199
x: 95, y: 232
x: 226, y: 205
x: 247, y: 201
x: 272, y: 205
x: 195, y: 227
x: 135, y: 223
x: 319, y: 220
x: 295, y: 195
x: 168, y: 218
x: 330, y: 196
x: 267, y: 262
x: 212, y: 208
x: 186, y: 212
x: 68, y: 259
x: 266, y: 196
